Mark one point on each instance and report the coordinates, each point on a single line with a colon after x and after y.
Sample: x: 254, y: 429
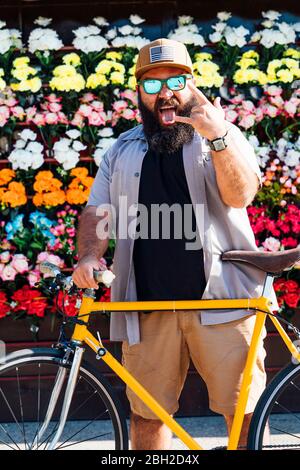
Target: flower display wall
x: 62, y: 106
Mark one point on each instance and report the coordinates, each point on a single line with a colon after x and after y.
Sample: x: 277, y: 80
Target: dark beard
x: 166, y: 139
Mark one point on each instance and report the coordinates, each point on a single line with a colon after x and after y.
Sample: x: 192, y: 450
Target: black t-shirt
x: 164, y: 268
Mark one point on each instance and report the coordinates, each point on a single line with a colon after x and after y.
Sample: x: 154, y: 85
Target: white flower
x: 255, y: 37
x: 292, y: 158
x: 27, y: 134
x: 267, y: 23
x: 85, y: 31
x: 111, y: 34
x: 44, y: 39
x: 224, y: 15
x: 78, y: 146
x: 102, y: 147
x: 42, y: 21
x: 20, y: 144
x: 90, y: 43
x: 9, y: 38
x: 100, y: 21
x: 219, y: 27
x: 215, y: 37
x: 34, y: 147
x: 184, y: 20
x: 73, y: 133
x: 67, y: 159
x: 271, y: 15
x: 136, y: 31
x: 126, y: 29
x: 236, y: 36
x: 296, y: 27
x: 27, y: 157
x: 2, y: 24
x: 106, y: 132
x: 136, y: 19
x: 62, y: 145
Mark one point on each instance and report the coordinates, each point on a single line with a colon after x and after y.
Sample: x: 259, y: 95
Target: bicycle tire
x: 52, y: 358
x: 272, y: 407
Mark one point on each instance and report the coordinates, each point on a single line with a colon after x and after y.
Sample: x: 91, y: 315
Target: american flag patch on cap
x: 161, y: 53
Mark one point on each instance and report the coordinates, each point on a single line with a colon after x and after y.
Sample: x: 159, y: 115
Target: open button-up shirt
x: 221, y: 228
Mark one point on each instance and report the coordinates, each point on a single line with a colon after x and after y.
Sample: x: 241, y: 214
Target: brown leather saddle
x: 273, y: 263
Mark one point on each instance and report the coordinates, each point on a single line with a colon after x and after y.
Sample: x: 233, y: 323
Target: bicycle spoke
x: 36, y: 435
x: 288, y: 411
x: 21, y: 408
x: 83, y: 440
x: 9, y: 436
x: 11, y: 412
x: 80, y: 430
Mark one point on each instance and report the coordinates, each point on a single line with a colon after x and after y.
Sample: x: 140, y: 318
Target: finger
x: 198, y: 93
x: 185, y: 119
x: 217, y: 103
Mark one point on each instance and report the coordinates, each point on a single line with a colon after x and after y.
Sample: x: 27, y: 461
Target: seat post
x: 268, y: 284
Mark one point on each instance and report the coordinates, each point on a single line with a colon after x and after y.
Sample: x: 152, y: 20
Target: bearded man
x: 185, y: 158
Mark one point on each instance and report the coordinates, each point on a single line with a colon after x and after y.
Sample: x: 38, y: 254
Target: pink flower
x: 20, y: 263
x: 30, y: 112
x: 274, y: 90
x: 231, y: 115
x: 87, y: 97
x: 11, y: 101
x: 247, y: 121
x: 271, y: 244
x: 85, y: 110
x: 96, y: 119
x: 42, y: 257
x: 8, y: 273
x: 118, y: 106
x: 51, y: 118
x: 78, y: 120
x: 39, y: 119
x: 54, y: 107
x: 97, y: 105
x: 128, y: 114
x: 5, y: 112
x: 270, y: 110
x: 1, y: 268
x: 3, y: 120
x: 18, y: 112
x: 290, y: 108
x: 5, y: 257
x: 56, y: 260
x: 129, y: 95
x: 62, y: 118
x: 248, y: 106
x: 289, y: 242
x: 33, y: 277
x: 53, y: 98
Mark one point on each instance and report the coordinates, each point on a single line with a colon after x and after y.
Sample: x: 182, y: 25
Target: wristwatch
x: 218, y: 144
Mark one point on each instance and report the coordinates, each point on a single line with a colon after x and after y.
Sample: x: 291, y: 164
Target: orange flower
x: 80, y: 172
x: 38, y: 199
x: 44, y: 175
x: 88, y: 181
x: 6, y: 175
x: 15, y: 195
x: 54, y: 198
x: 76, y: 196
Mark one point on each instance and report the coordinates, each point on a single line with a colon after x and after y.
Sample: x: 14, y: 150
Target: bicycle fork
x: 72, y: 381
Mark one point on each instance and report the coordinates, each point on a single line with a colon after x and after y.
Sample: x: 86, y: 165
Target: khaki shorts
x: 161, y: 360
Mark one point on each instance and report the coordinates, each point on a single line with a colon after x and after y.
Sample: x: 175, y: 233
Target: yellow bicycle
x: 53, y: 399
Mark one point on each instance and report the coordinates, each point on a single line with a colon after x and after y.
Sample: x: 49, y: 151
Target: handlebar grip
x: 105, y: 277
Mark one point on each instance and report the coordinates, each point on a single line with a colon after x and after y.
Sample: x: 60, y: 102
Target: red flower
x: 69, y: 304
x: 291, y: 299
x: 37, y: 307
x: 291, y: 286
x: 4, y: 307
x: 30, y: 300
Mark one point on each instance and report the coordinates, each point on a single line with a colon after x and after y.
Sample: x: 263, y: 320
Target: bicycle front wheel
x: 275, y: 424
x: 32, y: 388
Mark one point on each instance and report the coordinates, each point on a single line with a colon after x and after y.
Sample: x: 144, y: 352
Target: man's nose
x: 165, y: 92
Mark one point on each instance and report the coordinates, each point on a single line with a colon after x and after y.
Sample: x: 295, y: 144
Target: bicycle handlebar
x: 105, y: 277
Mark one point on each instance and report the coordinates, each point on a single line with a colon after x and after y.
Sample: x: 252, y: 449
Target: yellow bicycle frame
x: 83, y: 335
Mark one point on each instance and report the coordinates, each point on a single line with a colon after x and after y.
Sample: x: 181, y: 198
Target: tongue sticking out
x: 168, y: 115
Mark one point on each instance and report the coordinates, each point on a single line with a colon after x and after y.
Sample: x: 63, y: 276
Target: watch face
x: 219, y: 144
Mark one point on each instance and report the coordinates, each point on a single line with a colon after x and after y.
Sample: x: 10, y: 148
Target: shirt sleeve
x: 247, y: 150
x: 100, y: 193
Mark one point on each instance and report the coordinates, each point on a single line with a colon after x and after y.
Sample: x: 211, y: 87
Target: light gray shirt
x: 221, y: 228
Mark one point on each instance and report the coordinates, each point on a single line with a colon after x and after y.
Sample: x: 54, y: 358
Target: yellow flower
x: 250, y: 55
x: 21, y: 61
x: 114, y: 55
x: 104, y: 66
x: 131, y: 83
x: 117, y: 78
x: 95, y: 80
x: 22, y: 73
x: 119, y: 67
x: 292, y: 53
x: 245, y: 63
x: 2, y: 82
x: 66, y: 78
x: 71, y: 59
x: 64, y: 71
x: 34, y: 84
x: 285, y: 76
x: 203, y: 56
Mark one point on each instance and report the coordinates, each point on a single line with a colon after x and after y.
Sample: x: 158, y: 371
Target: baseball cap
x: 163, y: 52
